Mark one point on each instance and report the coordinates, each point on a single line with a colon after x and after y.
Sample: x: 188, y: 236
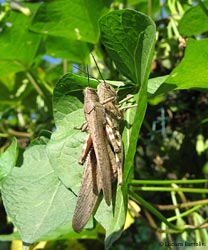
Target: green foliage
x: 39, y: 186
x: 35, y: 190
x: 18, y: 46
x: 186, y: 74
x: 194, y: 21
x: 62, y: 19
x: 127, y: 36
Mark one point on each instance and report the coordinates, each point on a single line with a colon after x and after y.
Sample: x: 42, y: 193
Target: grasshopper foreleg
x: 86, y: 148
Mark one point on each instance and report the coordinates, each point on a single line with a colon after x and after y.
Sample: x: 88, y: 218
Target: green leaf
x: 192, y: 72
x: 65, y: 147
x: 129, y: 37
x: 8, y: 159
x: 18, y: 46
x: 77, y: 20
x: 194, y: 21
x: 154, y: 84
x: 34, y: 198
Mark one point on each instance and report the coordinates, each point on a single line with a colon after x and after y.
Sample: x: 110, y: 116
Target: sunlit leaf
x: 194, y: 21
x: 34, y: 198
x: 129, y: 37
x: 70, y: 19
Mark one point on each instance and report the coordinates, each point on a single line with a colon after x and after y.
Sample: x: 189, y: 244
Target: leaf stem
x: 34, y: 83
x: 168, y: 189
x: 166, y: 182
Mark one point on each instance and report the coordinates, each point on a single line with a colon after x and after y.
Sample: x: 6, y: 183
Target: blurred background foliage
x: 39, y: 42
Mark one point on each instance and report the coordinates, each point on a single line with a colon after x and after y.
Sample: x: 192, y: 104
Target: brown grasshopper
x: 102, y: 153
x: 95, y: 117
x: 101, y: 168
x: 108, y: 98
x: 112, y: 115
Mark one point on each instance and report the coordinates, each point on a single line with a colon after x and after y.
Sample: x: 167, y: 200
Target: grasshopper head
x: 90, y: 93
x: 106, y: 91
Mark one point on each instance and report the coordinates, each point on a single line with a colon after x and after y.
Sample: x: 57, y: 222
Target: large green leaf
x: 71, y: 19
x: 191, y: 73
x: 129, y: 37
x: 36, y: 201
x: 195, y: 20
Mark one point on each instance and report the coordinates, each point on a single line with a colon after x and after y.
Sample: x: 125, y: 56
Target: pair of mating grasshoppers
x: 102, y: 152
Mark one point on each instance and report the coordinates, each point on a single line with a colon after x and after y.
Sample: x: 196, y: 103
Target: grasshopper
x: 99, y: 157
x: 102, y: 153
x: 95, y: 117
x: 108, y: 98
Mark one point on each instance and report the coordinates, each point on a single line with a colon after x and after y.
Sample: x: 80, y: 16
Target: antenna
x: 78, y: 68
x: 87, y: 69
x: 97, y: 67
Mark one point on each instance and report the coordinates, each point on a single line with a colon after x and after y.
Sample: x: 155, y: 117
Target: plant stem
x: 166, y: 182
x: 168, y: 189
